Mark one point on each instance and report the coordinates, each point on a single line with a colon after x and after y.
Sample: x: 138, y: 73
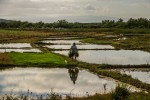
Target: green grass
x: 120, y: 93
x: 139, y: 96
x: 36, y: 58
x: 131, y: 43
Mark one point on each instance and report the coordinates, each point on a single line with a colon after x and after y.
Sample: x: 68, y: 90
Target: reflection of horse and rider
x: 73, y: 53
x: 73, y: 72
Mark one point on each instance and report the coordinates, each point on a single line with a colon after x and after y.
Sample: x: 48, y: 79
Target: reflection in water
x: 62, y: 41
x: 141, y: 74
x: 65, y: 44
x: 114, y: 57
x: 15, y: 45
x: 73, y: 72
x: 88, y: 46
x: 41, y: 81
x: 63, y: 38
x: 19, y: 50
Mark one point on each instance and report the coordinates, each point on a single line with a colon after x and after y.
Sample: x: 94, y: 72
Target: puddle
x: 123, y: 38
x: 62, y: 81
x: 141, y: 74
x: 15, y: 45
x: 114, y: 57
x: 62, y: 38
x: 88, y: 46
x: 19, y: 50
x: 62, y: 41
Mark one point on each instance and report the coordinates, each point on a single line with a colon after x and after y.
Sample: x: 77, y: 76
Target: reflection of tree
x: 73, y: 72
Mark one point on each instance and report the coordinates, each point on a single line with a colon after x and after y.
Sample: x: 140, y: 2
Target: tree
x: 62, y: 24
x: 39, y: 24
x: 120, y: 23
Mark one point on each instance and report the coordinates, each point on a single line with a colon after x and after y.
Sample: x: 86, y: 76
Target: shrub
x: 120, y: 93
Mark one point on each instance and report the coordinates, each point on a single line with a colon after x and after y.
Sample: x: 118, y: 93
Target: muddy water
x: 15, y: 45
x: 114, y: 57
x: 62, y: 81
x: 140, y: 74
x: 19, y: 50
x: 88, y: 46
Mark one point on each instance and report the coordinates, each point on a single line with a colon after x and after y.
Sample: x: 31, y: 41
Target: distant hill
x: 4, y: 20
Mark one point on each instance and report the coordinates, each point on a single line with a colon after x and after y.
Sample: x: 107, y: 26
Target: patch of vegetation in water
x: 36, y: 58
x: 132, y: 42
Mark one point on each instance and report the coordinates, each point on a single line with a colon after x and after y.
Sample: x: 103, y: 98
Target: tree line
x: 131, y: 23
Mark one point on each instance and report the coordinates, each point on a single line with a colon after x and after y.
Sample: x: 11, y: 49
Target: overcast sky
x: 73, y: 10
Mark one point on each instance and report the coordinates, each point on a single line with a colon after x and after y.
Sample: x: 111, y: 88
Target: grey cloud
x: 147, y: 5
x: 60, y: 8
x: 89, y: 7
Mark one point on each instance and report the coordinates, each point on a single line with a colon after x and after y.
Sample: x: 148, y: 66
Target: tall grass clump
x: 120, y: 93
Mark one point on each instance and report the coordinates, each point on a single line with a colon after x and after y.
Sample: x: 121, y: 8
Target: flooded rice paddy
x: 62, y: 41
x: 84, y: 47
x: 73, y: 82
x: 62, y: 81
x: 114, y: 57
x: 17, y: 47
x: 101, y: 54
x: 66, y: 44
x: 140, y: 74
x: 63, y: 38
x: 19, y: 50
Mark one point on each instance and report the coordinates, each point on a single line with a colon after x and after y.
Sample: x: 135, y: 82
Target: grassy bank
x: 130, y: 43
x: 36, y: 58
x: 40, y: 33
x: 97, y: 30
x: 132, y: 96
x: 120, y: 93
x: 5, y: 59
x: 27, y: 36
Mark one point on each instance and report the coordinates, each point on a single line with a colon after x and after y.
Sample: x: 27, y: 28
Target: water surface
x: 141, y: 74
x: 15, y: 45
x: 62, y: 41
x: 19, y: 50
x: 62, y: 38
x: 62, y: 81
x: 114, y: 57
x: 88, y: 46
x: 123, y: 38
